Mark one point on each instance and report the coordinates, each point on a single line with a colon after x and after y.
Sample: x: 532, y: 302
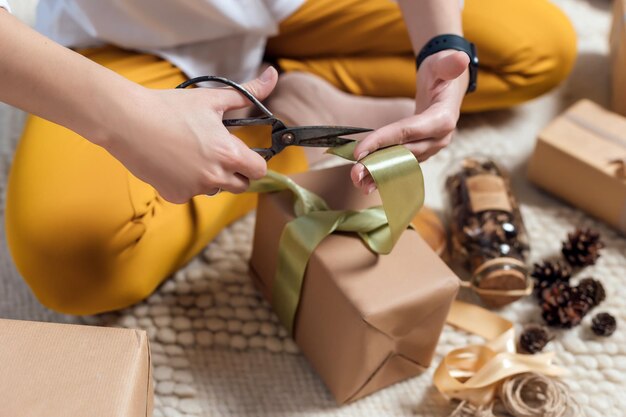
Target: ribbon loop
x: 473, y: 373
x: 400, y: 182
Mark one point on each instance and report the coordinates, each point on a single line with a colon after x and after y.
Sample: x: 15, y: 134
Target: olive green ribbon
x: 400, y: 182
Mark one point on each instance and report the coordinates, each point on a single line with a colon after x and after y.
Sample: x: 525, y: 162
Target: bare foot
x: 305, y: 99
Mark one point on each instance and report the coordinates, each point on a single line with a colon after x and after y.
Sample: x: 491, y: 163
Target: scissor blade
x: 304, y: 134
x: 325, y: 142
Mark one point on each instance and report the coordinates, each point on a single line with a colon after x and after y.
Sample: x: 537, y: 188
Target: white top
x: 201, y: 37
x: 5, y: 5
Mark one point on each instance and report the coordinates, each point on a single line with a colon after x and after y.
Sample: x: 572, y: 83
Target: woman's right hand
x: 172, y: 139
x: 175, y: 140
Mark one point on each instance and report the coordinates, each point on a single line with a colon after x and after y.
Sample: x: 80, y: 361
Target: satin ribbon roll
x: 473, y: 373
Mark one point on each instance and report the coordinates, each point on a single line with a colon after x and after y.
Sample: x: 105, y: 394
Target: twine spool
x: 535, y: 395
x: 526, y: 395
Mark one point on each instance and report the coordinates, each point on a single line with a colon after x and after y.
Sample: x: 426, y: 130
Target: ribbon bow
x: 400, y: 182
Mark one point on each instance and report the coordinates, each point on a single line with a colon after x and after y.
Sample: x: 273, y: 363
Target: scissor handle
x: 250, y: 121
x: 226, y: 81
x: 266, y: 153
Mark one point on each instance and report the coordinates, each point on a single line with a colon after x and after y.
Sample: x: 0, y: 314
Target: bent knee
x: 73, y: 266
x: 72, y: 282
x: 548, y: 61
x: 554, y: 62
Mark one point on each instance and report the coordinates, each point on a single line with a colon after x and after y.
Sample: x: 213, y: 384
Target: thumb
x: 451, y: 66
x: 260, y: 88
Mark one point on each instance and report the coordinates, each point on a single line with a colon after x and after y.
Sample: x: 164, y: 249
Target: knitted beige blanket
x: 218, y: 350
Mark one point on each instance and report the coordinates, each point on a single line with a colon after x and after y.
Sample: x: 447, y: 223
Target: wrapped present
x: 618, y: 57
x: 363, y: 320
x: 581, y: 157
x: 59, y: 370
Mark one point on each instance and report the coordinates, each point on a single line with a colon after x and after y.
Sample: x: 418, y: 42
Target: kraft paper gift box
x: 61, y: 370
x: 580, y: 158
x: 618, y: 57
x: 364, y: 321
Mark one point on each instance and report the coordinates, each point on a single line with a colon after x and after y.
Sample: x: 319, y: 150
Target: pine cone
x: 534, y: 338
x: 563, y: 306
x: 567, y: 316
x: 603, y: 324
x: 592, y: 291
x: 555, y: 295
x: 582, y: 248
x: 548, y: 273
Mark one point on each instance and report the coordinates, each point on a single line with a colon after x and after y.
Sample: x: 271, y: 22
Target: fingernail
x: 362, y: 155
x: 361, y: 175
x: 266, y: 76
x: 371, y: 188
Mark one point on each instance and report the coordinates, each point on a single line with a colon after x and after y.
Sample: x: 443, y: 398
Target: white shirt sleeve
x: 5, y: 5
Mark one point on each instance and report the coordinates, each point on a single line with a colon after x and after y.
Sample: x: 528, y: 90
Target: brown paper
x: 61, y: 370
x: 573, y: 159
x: 364, y: 321
x: 488, y: 192
x: 618, y: 57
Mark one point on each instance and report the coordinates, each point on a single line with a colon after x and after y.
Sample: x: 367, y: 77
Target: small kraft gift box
x: 364, y: 321
x: 580, y: 157
x: 618, y: 57
x: 61, y: 370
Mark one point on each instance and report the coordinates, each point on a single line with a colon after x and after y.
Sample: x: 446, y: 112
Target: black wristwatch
x: 449, y: 41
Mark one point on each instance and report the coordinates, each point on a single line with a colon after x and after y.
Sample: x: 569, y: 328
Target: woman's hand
x: 172, y: 139
x: 441, y: 84
x: 175, y: 140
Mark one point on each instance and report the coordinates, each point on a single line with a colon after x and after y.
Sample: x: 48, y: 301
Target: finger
x: 368, y: 185
x: 361, y: 178
x: 427, y: 155
x: 357, y: 173
x: 429, y: 124
x: 451, y: 66
x: 245, y: 161
x: 261, y: 87
x: 426, y: 148
x: 235, y: 183
x: 438, y: 146
x: 253, y: 166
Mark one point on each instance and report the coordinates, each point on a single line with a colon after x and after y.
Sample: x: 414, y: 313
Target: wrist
x: 112, y: 111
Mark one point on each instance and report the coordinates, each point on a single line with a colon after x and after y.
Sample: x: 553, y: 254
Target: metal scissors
x: 282, y: 135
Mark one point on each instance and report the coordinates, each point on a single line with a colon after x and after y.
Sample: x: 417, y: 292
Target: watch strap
x: 456, y: 42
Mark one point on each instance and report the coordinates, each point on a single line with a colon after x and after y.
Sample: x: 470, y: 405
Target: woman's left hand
x: 441, y: 85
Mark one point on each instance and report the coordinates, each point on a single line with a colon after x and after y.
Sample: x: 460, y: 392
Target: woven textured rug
x: 218, y: 350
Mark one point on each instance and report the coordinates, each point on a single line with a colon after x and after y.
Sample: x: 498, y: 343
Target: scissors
x: 282, y: 135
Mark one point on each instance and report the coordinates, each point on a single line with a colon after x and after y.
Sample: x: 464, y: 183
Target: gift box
x: 618, y: 57
x: 364, y: 321
x: 580, y: 158
x: 60, y: 370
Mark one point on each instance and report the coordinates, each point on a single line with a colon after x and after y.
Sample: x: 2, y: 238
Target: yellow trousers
x: 525, y: 47
x: 88, y: 236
